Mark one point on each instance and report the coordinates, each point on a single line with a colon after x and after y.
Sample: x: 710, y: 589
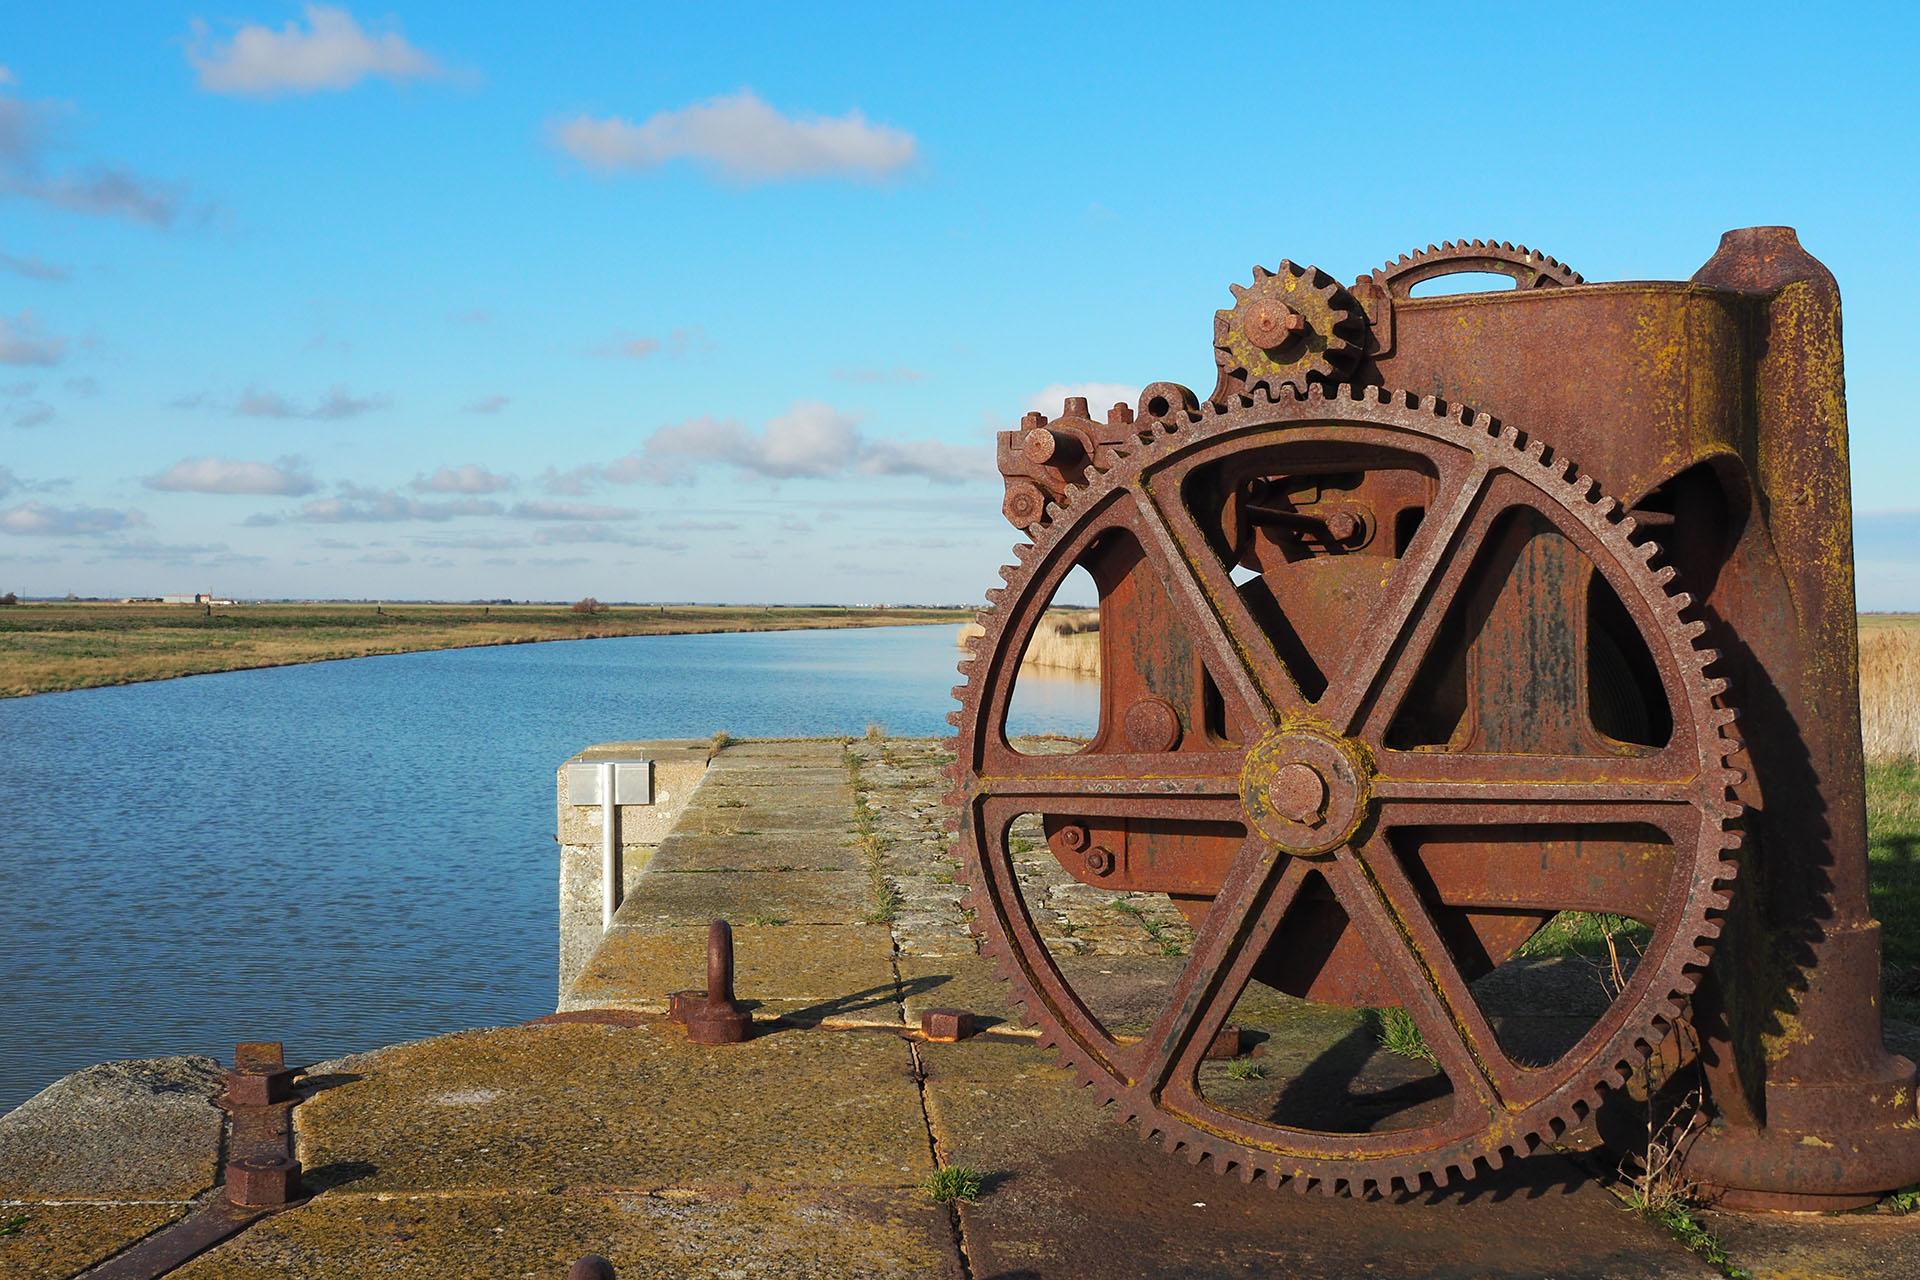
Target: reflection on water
x: 351, y: 853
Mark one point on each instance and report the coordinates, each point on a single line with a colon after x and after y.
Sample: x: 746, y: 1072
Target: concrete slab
x: 1809, y: 1246
x: 955, y: 982
x: 783, y: 751
x: 806, y: 973
x: 140, y: 1130
x: 1072, y: 1193
x: 794, y: 897
x: 826, y: 850
x: 769, y: 775
x: 61, y: 1240
x: 823, y: 1235
x: 618, y: 1109
x: 778, y: 810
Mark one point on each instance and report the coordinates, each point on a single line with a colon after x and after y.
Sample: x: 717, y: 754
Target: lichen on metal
x: 1389, y: 681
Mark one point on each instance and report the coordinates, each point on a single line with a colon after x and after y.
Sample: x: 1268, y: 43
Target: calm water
x: 352, y: 853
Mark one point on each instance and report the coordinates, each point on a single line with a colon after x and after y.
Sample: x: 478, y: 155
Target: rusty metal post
x: 713, y: 1016
x: 1814, y: 1112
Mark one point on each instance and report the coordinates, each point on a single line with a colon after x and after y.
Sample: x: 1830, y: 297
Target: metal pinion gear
x: 1527, y: 268
x: 1500, y: 1106
x: 1291, y: 327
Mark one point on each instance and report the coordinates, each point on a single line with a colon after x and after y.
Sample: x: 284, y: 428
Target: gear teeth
x: 1687, y: 950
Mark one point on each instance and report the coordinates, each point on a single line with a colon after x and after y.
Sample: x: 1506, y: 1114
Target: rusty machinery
x: 1388, y: 682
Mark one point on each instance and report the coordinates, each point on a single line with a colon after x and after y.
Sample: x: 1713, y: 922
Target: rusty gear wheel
x: 1289, y: 781
x: 1527, y: 268
x: 1292, y: 327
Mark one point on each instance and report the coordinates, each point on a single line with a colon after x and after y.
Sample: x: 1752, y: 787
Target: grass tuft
x: 1399, y: 1033
x: 1245, y: 1069
x: 955, y: 1182
x: 14, y: 1225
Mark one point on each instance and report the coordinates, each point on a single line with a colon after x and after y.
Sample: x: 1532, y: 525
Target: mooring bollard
x: 713, y: 1016
x: 591, y: 1267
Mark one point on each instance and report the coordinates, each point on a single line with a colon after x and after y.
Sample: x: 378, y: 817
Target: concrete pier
x: 805, y: 1150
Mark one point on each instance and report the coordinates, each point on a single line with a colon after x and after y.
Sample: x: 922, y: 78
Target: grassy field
x: 49, y: 647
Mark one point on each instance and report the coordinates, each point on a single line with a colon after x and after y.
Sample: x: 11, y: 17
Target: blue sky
x: 671, y: 302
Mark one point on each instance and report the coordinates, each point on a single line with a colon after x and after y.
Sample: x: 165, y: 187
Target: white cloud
x: 41, y: 519
x: 741, y: 137
x: 569, y: 484
x: 468, y: 478
x: 563, y: 534
x: 22, y: 342
x: 26, y: 131
x: 677, y: 343
x: 1099, y: 396
x: 223, y: 475
x: 380, y: 507
x: 33, y: 413
x: 569, y: 511
x: 812, y: 440
x: 332, y: 51
x: 337, y: 404
x: 488, y: 404
x: 34, y: 268
x: 385, y: 557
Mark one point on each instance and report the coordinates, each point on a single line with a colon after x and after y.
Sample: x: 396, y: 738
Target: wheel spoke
x: 1382, y: 904
x: 1544, y: 780
x: 1242, y: 659
x: 1393, y: 641
x: 1251, y: 903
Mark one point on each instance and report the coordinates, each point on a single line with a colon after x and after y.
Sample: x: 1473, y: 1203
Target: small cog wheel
x: 1292, y: 326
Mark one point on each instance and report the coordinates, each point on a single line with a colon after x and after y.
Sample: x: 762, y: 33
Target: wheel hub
x: 1305, y: 791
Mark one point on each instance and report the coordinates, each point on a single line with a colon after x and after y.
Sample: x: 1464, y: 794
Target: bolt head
x: 1271, y: 324
x: 258, y: 1085
x: 1072, y: 837
x: 1099, y: 861
x: 257, y: 1181
x: 1298, y: 793
x: 1343, y: 525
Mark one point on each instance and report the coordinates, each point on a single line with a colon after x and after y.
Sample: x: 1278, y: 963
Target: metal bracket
x: 610, y: 784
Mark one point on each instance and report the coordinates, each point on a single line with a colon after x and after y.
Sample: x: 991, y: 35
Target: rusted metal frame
x: 1245, y: 667
x: 1372, y: 712
x: 985, y: 824
x: 1083, y: 784
x: 1001, y: 666
x: 1246, y: 913
x: 1381, y: 639
x: 1417, y: 775
x: 1382, y: 904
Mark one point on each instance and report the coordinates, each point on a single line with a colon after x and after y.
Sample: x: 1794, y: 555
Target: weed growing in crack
x: 1245, y: 1069
x: 955, y: 1182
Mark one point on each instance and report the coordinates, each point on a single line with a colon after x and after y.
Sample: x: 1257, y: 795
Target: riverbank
x: 48, y: 648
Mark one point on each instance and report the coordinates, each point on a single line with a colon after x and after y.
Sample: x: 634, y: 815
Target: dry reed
x: 1890, y: 692
x: 1066, y: 642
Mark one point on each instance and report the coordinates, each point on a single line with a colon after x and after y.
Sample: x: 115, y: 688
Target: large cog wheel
x: 1290, y: 328
x: 1527, y: 268
x: 1364, y: 789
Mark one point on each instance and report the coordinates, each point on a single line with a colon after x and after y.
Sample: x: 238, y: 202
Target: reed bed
x: 1890, y: 692
x: 1064, y: 642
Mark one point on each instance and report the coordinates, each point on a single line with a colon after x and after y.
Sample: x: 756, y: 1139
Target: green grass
x: 1245, y: 1069
x: 1400, y: 1034
x: 46, y: 647
x: 955, y: 1182
x: 14, y: 1225
x: 1678, y: 1217
x: 1169, y: 945
x: 1905, y: 1200
x: 1584, y: 933
x: 883, y: 897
